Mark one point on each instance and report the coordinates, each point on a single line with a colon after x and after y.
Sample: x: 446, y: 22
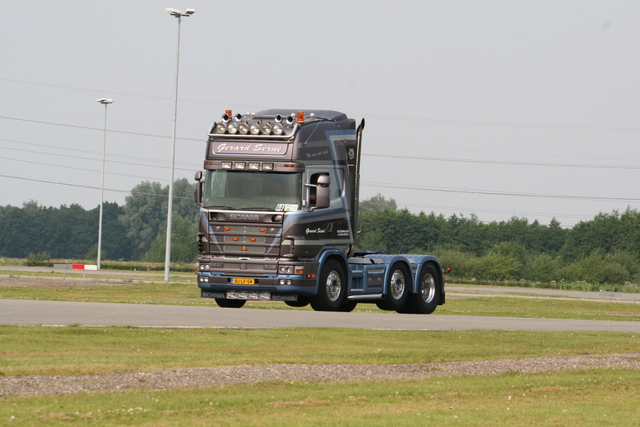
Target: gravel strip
x: 235, y: 375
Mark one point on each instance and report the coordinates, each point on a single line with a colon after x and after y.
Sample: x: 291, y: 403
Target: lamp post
x: 105, y: 102
x: 167, y: 258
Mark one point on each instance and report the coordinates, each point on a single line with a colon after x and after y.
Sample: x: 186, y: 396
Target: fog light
x: 232, y: 128
x: 221, y: 127
x: 266, y: 129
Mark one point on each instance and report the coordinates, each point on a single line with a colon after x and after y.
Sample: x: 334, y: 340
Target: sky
x: 495, y: 108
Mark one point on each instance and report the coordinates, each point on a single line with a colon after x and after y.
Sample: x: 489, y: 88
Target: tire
x: 332, y: 287
x: 230, y: 303
x: 398, y: 288
x: 428, y: 296
x: 348, y: 306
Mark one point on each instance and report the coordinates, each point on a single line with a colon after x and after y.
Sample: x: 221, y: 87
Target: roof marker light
x: 300, y: 117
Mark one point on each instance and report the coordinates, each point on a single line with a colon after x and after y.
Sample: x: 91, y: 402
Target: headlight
x: 221, y: 127
x: 243, y: 128
x: 266, y: 129
x: 277, y: 129
x: 232, y: 128
x: 255, y: 128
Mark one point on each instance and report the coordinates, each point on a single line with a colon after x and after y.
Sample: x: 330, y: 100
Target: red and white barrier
x: 84, y: 267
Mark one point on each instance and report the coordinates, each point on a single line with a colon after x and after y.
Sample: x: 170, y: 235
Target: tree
x: 145, y: 212
x: 377, y: 203
x: 183, y: 243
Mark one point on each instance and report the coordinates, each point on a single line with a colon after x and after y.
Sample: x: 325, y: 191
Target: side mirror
x: 319, y: 197
x: 323, y: 200
x: 197, y: 196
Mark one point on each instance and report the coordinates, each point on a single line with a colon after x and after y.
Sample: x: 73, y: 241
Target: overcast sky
x: 498, y: 108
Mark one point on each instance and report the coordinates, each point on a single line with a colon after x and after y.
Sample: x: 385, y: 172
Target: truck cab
x: 279, y: 198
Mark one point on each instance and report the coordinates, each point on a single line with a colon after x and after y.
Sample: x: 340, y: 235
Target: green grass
x: 584, y: 398
x: 39, y: 350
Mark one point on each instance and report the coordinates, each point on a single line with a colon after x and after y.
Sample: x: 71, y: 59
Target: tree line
x: 134, y: 231
x: 605, y: 249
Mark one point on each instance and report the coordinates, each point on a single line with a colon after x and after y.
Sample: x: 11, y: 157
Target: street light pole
x: 105, y: 102
x: 167, y: 258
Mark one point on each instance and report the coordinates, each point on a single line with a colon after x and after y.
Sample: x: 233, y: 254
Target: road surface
x: 26, y: 312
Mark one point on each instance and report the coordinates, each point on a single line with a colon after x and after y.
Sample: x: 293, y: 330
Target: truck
x: 279, y: 198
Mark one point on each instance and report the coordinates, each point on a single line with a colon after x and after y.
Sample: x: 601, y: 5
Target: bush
x: 41, y: 259
x: 595, y: 270
x: 542, y: 268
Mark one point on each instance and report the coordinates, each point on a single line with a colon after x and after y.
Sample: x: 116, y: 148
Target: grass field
x: 593, y: 397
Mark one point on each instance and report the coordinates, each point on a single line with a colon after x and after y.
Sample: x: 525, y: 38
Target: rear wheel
x: 230, y: 303
x: 428, y: 296
x: 332, y: 290
x: 397, y: 288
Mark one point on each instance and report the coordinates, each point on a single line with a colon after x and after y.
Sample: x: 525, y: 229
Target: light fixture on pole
x: 167, y: 258
x: 105, y: 102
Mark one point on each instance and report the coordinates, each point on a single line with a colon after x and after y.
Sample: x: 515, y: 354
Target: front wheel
x: 428, y: 296
x: 230, y: 303
x: 332, y: 289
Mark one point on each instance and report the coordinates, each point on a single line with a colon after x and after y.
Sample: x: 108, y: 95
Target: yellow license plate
x: 237, y: 281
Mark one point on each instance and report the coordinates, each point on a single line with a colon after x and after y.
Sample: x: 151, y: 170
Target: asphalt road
x: 25, y: 312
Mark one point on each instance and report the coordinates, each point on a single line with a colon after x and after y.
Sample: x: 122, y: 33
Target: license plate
x: 237, y: 281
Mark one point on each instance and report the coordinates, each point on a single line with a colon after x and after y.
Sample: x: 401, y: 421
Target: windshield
x: 246, y: 190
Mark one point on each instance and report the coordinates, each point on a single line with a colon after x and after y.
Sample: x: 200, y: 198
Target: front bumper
x: 213, y: 285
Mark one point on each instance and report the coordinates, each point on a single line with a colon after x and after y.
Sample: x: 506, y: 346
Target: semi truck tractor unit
x: 278, y: 215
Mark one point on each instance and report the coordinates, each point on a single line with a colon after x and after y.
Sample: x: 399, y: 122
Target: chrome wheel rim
x: 397, y: 285
x: 428, y: 288
x: 334, y: 285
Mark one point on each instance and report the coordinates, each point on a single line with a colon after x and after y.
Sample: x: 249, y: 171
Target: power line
x: 31, y: 162
x: 89, y: 186
x: 504, y: 162
x: 376, y: 116
x: 497, y: 193
x: 94, y: 128
x: 146, y: 159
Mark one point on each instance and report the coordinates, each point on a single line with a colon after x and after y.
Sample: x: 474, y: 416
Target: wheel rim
x: 428, y: 288
x: 396, y: 287
x: 334, y: 285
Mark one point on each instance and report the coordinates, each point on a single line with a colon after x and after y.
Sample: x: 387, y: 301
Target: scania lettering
x: 278, y: 215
